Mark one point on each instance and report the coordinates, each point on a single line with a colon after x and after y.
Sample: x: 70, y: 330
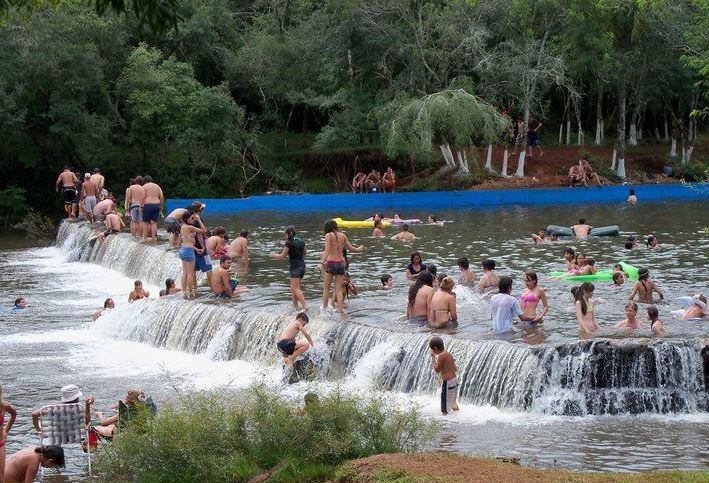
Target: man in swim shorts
x: 287, y: 345
x: 114, y: 224
x: 151, y: 208
x: 103, y: 208
x: 444, y: 365
x: 581, y: 229
x: 223, y: 285
x: 135, y: 194
x: 89, y: 196
x: 67, y: 182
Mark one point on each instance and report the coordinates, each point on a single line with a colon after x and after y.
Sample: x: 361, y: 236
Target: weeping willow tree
x: 452, y: 120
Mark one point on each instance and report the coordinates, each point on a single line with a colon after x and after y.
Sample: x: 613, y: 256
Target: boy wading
x: 444, y: 365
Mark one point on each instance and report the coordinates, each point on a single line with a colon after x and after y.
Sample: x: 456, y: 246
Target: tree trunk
x: 488, y: 160
x: 673, y: 148
x: 520, y: 163
x: 613, y: 158
x: 603, y: 129
x: 505, y: 157
x: 620, y: 168
x: 463, y: 169
x: 561, y: 133
x: 568, y: 131
x: 448, y: 157
x: 667, y: 129
x: 657, y: 133
x: 599, y: 115
x: 633, y: 140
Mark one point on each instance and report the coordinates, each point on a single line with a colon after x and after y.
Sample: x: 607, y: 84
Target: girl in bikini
x: 585, y: 311
x: 530, y: 298
x: 645, y: 287
x: 5, y: 407
x: 334, y: 262
x: 443, y: 307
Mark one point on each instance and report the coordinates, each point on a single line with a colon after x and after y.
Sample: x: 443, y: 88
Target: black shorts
x: 335, y: 268
x: 173, y: 226
x: 532, y: 138
x: 69, y: 195
x: 109, y: 232
x: 286, y: 346
x: 296, y: 269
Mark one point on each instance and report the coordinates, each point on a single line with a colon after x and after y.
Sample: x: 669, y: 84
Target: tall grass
x: 223, y: 437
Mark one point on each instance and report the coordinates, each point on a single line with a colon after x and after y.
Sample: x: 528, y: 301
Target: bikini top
x: 529, y: 297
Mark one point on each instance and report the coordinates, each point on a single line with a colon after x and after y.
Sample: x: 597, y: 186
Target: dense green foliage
x: 248, y: 95
x: 216, y: 437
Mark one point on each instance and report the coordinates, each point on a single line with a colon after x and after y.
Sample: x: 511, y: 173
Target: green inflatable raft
x: 601, y: 275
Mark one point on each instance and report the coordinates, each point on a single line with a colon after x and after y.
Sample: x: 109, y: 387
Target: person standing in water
x: 295, y: 250
x: 404, y: 234
x: 333, y: 259
x: 239, y: 247
x: 656, y: 326
x: 585, y: 310
x: 135, y: 196
x: 489, y: 281
x: 631, y: 320
x: 415, y: 267
x: 504, y: 308
x: 378, y: 232
x: 530, y: 298
x: 98, y: 178
x: 466, y: 277
x: 645, y: 287
x: 444, y: 365
x: 287, y: 345
x: 152, y: 204
x: 89, y: 195
x: 188, y: 233
x: 442, y: 307
x: 67, y: 183
x: 581, y: 229
x: 419, y: 301
x: 632, y: 197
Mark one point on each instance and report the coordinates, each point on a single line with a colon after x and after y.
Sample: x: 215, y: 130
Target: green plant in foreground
x: 220, y: 437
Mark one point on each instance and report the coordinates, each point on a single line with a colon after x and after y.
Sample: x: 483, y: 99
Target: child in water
x: 466, y: 277
x: 444, y: 365
x: 645, y: 287
x: 585, y: 310
x: 387, y: 281
x: 656, y: 326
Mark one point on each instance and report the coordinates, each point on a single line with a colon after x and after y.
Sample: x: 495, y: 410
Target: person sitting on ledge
x: 373, y: 181
x: 359, y: 184
x: 588, y: 173
x: 576, y: 176
x: 388, y: 181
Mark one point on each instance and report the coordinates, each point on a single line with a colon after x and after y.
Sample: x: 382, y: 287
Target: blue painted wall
x: 335, y: 203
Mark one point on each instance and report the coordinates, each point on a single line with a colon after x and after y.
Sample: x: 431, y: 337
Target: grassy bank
x: 454, y: 468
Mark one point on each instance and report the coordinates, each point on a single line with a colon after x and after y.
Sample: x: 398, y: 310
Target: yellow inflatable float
x: 358, y: 224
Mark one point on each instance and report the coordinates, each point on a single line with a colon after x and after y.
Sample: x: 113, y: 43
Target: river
x: 622, y: 401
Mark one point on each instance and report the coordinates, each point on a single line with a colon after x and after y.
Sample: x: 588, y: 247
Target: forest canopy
x: 208, y: 96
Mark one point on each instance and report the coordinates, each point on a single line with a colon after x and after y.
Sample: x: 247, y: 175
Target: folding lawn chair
x: 64, y: 424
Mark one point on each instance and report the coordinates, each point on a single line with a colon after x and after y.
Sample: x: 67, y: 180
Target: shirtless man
x: 389, y: 181
x: 24, y: 465
x: 373, y: 181
x: 631, y: 320
x: 173, y: 222
x: 222, y: 284
x: 466, y: 278
x: 98, y: 178
x: 216, y: 244
x: 151, y: 208
x: 542, y: 237
x: 103, y: 208
x: 444, y: 365
x: 114, y: 224
x: 632, y: 197
x: 67, y: 182
x: 576, y: 176
x: 138, y: 292
x: 404, y: 234
x: 89, y: 195
x: 239, y: 248
x: 588, y: 173
x: 287, y: 345
x: 358, y: 182
x: 135, y: 196
x: 581, y: 229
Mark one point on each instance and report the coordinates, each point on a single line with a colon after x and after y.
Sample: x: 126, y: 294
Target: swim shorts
x: 286, y: 346
x: 449, y: 390
x: 296, y: 269
x: 173, y: 226
x: 335, y: 268
x: 203, y: 263
x: 135, y: 215
x: 187, y: 254
x: 89, y: 204
x: 69, y: 195
x: 151, y: 212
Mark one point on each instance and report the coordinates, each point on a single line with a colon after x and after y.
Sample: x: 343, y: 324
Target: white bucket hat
x: 70, y: 393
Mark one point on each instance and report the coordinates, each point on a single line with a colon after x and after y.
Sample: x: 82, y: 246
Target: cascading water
x: 576, y: 378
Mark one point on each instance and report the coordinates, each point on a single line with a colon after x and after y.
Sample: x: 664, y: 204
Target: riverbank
x: 455, y: 468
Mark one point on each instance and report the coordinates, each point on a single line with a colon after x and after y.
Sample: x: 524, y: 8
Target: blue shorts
x: 187, y: 254
x: 151, y: 212
x: 203, y: 263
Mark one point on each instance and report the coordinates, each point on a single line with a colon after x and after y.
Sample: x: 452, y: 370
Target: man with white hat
x: 69, y: 394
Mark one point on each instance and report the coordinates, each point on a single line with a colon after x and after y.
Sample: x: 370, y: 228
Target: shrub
x: 219, y: 437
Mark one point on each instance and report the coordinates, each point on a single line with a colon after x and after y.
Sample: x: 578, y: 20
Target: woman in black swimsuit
x: 416, y: 266
x: 295, y: 250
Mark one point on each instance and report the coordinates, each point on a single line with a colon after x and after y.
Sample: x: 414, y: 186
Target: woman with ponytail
x: 295, y: 250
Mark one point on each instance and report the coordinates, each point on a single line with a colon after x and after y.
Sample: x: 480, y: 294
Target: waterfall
x: 152, y: 263
x: 573, y: 378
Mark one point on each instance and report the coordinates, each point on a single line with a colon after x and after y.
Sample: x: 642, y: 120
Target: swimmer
x: 632, y: 197
x: 387, y: 281
x: 591, y: 262
x: 138, y: 292
x: 287, y: 345
x: 333, y: 258
x: 442, y: 307
x: 530, y: 298
x: 20, y: 304
x: 651, y: 241
x: 404, y: 234
x: 585, y: 311
x: 698, y: 310
x: 433, y: 270
x: 239, y: 248
x: 348, y: 287
x: 581, y: 266
x: 656, y: 326
x: 217, y: 243
x: 631, y: 242
x: 570, y: 257
x: 222, y: 284
x: 645, y: 287
x: 108, y: 304
x: 489, y: 281
x: 170, y: 288
x: 581, y: 229
x: 294, y: 248
x: 631, y: 320
x: 378, y: 232
x: 618, y: 279
x: 431, y: 220
x: 414, y: 269
x: 419, y: 300
x: 444, y: 365
x: 543, y: 237
x: 466, y: 277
